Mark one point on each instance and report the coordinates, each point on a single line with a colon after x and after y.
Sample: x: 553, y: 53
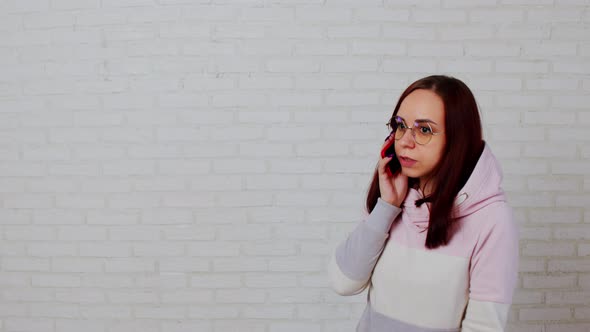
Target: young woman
x: 438, y: 248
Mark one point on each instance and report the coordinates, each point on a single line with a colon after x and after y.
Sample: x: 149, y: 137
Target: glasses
x: 421, y: 131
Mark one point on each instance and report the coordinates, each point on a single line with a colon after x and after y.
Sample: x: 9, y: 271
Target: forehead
x: 422, y: 104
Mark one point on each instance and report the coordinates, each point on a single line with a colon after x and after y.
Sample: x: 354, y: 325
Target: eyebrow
x: 420, y: 120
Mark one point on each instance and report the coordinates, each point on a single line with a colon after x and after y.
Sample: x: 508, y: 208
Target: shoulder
x: 493, y: 221
x: 497, y: 215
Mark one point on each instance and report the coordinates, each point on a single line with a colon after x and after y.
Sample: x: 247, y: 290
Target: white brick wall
x: 176, y: 165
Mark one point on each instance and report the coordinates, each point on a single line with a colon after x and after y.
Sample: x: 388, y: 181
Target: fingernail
x: 389, y: 156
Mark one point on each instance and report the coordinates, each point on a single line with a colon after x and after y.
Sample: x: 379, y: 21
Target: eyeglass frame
x: 393, y: 131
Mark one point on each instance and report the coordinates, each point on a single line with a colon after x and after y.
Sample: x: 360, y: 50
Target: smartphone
x: 389, y: 149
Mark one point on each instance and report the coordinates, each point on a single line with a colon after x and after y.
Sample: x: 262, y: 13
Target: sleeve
x: 353, y: 261
x: 493, y: 274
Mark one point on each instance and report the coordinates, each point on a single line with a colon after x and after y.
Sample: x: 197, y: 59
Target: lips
x: 406, y: 162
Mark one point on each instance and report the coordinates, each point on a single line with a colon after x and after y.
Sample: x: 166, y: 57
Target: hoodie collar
x: 482, y: 188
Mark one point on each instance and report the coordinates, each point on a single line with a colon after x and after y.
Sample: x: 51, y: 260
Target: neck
x: 426, y: 186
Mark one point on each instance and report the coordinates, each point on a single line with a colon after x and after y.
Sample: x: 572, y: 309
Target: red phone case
x: 386, y: 147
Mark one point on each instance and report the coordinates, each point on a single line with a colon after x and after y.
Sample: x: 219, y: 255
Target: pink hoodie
x: 466, y: 285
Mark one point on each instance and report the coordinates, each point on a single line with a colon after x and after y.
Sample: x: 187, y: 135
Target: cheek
x: 436, y: 155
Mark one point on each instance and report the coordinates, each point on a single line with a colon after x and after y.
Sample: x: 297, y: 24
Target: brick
x: 160, y: 312
x: 524, y: 32
x: 29, y: 233
x: 378, y: 48
x: 213, y: 249
x: 253, y: 264
x: 553, y: 15
x: 545, y: 314
x: 181, y: 264
x: 473, y: 66
x: 408, y: 32
x: 350, y: 64
x: 522, y: 167
x: 238, y: 30
x: 73, y: 325
x: 553, y: 184
x: 583, y: 249
x: 185, y: 326
x: 548, y: 150
x: 25, y: 264
x: 294, y: 326
x: 352, y: 99
x: 106, y: 312
x: 568, y: 135
x: 79, y: 296
x: 292, y: 66
x: 439, y: 48
x: 568, y: 298
x: 269, y: 312
x: 497, y: 15
x: 52, y: 249
x: 12, y: 309
x: 572, y: 233
x: 216, y: 281
x: 556, y: 216
x: 319, y: 14
x: 102, y: 281
x: 14, y: 279
x: 532, y: 265
x: 48, y: 20
x: 568, y: 265
x: 567, y: 281
x: 495, y: 49
x: 77, y: 265
x: 567, y: 327
x: 569, y: 102
x: 514, y: 66
x: 14, y: 249
x: 80, y: 201
x: 245, y: 296
x: 53, y: 310
x: 294, y: 295
x: 133, y: 200
x: 189, y: 233
x: 221, y: 312
x: 104, y: 250
x: 530, y: 102
x: 579, y: 200
x: 551, y: 84
x: 295, y: 99
x: 527, y: 297
x: 28, y: 324
x: 105, y: 217
x: 126, y: 3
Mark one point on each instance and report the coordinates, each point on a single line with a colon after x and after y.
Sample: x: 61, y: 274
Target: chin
x: 411, y: 173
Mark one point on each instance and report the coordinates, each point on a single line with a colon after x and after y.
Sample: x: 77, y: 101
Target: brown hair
x: 464, y: 144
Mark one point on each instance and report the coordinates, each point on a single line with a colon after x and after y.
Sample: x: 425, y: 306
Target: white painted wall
x: 177, y: 165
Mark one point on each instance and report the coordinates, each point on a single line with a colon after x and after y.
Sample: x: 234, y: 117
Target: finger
x: 387, y: 142
x: 383, y: 165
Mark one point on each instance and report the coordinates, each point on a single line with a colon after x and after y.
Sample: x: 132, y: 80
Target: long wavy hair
x: 464, y: 144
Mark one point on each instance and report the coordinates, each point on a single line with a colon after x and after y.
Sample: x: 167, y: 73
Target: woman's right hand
x: 393, y: 187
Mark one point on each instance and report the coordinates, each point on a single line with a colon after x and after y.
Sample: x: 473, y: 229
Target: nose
x: 407, y: 139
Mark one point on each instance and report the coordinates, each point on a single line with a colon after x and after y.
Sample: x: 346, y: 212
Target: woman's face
x: 425, y: 108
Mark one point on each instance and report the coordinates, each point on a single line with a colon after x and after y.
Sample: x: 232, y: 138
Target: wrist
x: 392, y: 202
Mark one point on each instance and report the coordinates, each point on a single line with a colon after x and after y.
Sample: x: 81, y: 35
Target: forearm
x: 483, y: 316
x: 355, y: 258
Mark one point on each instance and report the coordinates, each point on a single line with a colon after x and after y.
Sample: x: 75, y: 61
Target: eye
x: 400, y: 125
x: 425, y: 130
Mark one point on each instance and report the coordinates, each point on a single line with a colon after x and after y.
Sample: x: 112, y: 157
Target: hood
x: 482, y: 188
